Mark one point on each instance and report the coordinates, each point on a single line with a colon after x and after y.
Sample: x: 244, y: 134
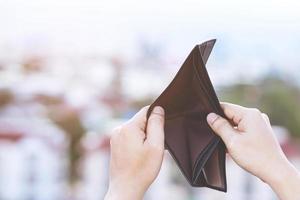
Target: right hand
x: 252, y: 145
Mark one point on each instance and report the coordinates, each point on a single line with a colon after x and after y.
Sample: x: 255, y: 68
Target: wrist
x: 285, y: 181
x: 278, y: 173
x: 124, y: 191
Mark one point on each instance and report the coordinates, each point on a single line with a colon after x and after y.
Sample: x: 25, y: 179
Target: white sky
x: 111, y: 21
x: 264, y: 32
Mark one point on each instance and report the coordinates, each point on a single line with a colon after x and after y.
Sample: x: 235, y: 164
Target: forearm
x: 286, y: 182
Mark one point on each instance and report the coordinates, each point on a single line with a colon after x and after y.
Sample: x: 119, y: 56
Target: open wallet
x: 190, y: 97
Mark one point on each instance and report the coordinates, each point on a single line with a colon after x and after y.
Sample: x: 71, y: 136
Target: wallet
x: 189, y: 98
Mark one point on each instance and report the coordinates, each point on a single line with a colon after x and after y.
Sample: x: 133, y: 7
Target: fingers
x: 135, y: 127
x: 155, y: 128
x: 139, y: 119
x: 266, y: 118
x: 132, y: 130
x: 233, y: 112
x: 242, y: 117
x: 221, y: 127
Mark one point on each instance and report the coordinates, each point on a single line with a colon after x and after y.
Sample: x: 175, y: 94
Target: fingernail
x: 158, y: 110
x: 211, y: 117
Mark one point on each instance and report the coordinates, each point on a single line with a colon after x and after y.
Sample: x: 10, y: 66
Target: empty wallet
x: 190, y: 97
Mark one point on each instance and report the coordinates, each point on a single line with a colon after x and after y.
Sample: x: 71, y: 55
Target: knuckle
x: 219, y: 124
x: 231, y: 145
x: 155, y: 119
x: 113, y: 139
x: 266, y: 117
x: 255, y: 111
x: 113, y: 136
x: 116, y: 130
x: 145, y: 108
x: 125, y: 129
x: 155, y: 148
x: 225, y: 109
x: 115, y: 133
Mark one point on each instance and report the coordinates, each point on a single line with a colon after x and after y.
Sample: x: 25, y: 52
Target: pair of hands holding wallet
x: 185, y: 128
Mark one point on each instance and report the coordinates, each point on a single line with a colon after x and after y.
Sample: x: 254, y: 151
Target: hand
x: 252, y: 145
x: 136, y: 155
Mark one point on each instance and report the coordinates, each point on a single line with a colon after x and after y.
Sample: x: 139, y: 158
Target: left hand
x: 136, y: 155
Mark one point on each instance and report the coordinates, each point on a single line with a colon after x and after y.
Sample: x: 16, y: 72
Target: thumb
x: 221, y: 127
x: 155, y: 127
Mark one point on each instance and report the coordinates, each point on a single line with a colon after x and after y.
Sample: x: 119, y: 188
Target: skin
x: 137, y: 152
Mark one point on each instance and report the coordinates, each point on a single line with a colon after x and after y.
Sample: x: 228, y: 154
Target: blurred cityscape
x: 72, y: 71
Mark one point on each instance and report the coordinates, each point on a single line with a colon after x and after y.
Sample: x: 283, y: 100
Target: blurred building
x: 94, y: 168
x: 33, y: 160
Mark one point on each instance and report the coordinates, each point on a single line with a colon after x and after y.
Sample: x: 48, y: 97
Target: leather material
x: 190, y: 97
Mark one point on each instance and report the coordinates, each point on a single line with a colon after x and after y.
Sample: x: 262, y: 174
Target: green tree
x: 277, y: 97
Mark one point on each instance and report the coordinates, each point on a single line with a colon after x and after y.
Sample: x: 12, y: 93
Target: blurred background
x: 71, y: 70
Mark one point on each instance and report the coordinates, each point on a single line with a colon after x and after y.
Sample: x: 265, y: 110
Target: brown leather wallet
x: 199, y: 153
